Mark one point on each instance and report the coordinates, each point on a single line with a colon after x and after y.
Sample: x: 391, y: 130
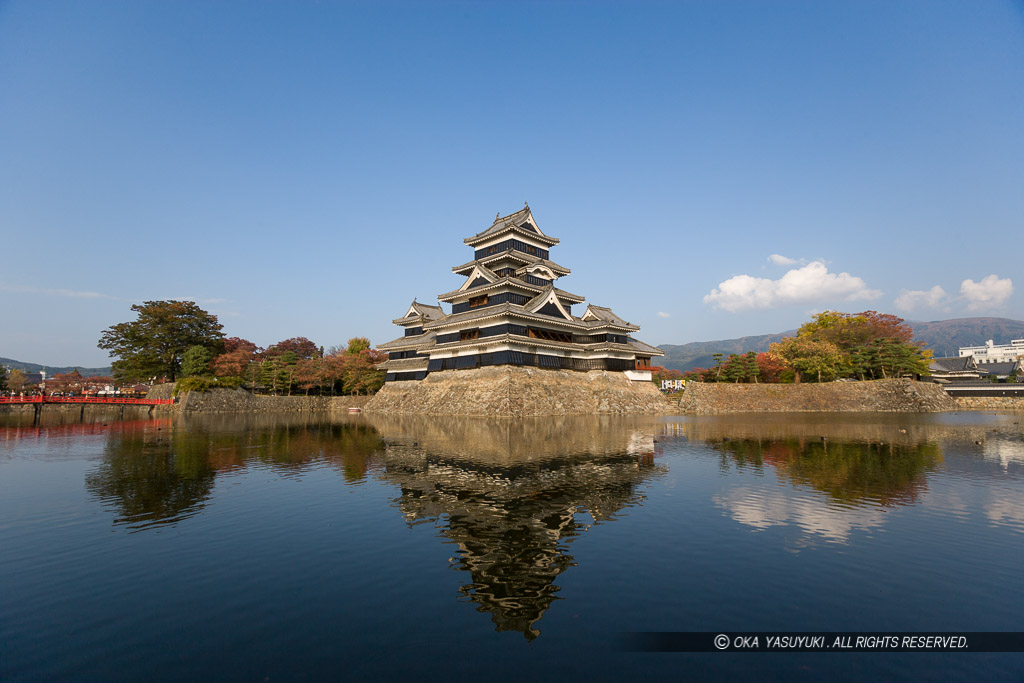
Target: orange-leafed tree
x: 238, y: 354
x: 771, y: 367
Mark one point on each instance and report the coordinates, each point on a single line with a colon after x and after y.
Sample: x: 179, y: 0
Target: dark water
x: 243, y: 549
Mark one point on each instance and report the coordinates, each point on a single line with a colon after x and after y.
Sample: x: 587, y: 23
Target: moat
x: 294, y: 547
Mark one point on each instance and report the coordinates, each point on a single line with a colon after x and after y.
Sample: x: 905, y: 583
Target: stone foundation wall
x: 241, y: 401
x: 73, y: 412
x: 990, y: 402
x: 885, y: 396
x: 164, y: 391
x: 508, y: 391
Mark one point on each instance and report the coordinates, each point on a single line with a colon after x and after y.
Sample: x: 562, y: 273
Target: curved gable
x: 547, y: 303
x: 481, y: 275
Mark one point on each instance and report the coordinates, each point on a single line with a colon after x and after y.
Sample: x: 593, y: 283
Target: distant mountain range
x: 943, y: 337
x: 54, y: 369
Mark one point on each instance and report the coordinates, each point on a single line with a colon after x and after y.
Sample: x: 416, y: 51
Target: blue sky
x: 713, y: 169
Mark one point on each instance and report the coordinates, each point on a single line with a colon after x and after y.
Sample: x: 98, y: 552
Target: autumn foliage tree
x: 832, y: 345
x: 300, y: 346
x: 238, y: 355
x: 811, y: 358
x: 299, y: 364
x: 354, y: 369
x: 64, y: 382
x: 770, y: 367
x: 16, y: 380
x: 866, y: 345
x: 659, y: 373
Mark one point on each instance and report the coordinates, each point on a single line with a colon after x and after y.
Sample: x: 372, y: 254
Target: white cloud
x: 780, y: 260
x: 74, y: 294
x: 762, y: 509
x: 991, y: 292
x: 662, y: 314
x: 808, y: 284
x: 911, y: 299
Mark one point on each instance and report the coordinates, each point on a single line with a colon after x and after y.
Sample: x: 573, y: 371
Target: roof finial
x: 497, y: 215
x: 527, y: 204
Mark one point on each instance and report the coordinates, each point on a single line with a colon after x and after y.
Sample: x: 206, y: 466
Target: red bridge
x: 101, y: 400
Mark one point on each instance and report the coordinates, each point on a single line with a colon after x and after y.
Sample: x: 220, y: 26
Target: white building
x: 995, y: 353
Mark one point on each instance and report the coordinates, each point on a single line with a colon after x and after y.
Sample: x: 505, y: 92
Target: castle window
x: 550, y: 335
x: 478, y: 301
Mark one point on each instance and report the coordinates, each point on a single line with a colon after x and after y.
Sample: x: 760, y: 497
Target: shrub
x: 202, y: 384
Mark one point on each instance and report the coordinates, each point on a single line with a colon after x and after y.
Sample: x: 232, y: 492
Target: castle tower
x: 509, y: 312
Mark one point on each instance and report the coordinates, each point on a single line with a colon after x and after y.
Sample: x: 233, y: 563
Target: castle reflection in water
x: 513, y: 495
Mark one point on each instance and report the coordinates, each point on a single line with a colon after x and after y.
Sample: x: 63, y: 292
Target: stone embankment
x: 1015, y: 403
x: 241, y: 401
x: 881, y: 396
x: 508, y: 391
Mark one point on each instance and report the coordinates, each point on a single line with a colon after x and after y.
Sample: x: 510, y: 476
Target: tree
x: 300, y: 346
x: 361, y: 373
x: 309, y: 373
x: 701, y: 375
x: 154, y: 343
x: 869, y: 344
x: 238, y: 355
x: 732, y: 370
x: 354, y: 367
x: 65, y: 381
x: 751, y: 370
x: 770, y: 367
x: 16, y: 380
x: 195, y: 361
x: 894, y: 359
x: 357, y: 345
x: 96, y: 383
x: 718, y: 365
x: 3, y: 378
x: 659, y: 373
x: 810, y: 357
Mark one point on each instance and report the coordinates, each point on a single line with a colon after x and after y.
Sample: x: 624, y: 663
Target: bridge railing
x: 88, y: 399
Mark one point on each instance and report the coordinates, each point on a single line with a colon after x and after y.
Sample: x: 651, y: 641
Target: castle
x: 509, y: 312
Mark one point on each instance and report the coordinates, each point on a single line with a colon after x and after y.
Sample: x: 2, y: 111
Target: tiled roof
x: 509, y: 281
x: 427, y: 311
x: 403, y: 364
x: 411, y: 341
x: 511, y: 222
x: 633, y: 345
x: 420, y: 312
x: 641, y: 347
x: 520, y: 311
x: 539, y: 298
x: 483, y: 312
x: 607, y: 315
x: 957, y: 364
x: 998, y: 368
x: 517, y: 255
